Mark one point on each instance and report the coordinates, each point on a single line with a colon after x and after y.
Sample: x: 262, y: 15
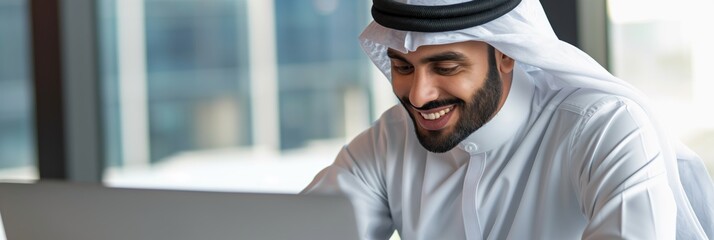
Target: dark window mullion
x: 67, y: 99
x: 48, y: 89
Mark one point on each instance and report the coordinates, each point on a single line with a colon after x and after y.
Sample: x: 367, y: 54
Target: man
x: 506, y: 132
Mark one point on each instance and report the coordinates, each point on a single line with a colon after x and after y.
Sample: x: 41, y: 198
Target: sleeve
x: 622, y: 182
x: 699, y: 188
x: 359, y: 180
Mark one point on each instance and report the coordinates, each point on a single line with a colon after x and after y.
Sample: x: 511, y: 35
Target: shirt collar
x: 509, y: 118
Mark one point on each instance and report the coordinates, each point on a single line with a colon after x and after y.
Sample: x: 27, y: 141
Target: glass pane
x: 666, y: 52
x: 193, y: 90
x: 17, y: 158
x: 187, y: 73
x: 320, y: 69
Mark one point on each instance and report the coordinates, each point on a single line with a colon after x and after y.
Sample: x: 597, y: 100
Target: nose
x: 423, y: 89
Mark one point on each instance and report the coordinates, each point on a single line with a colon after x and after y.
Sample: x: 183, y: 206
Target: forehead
x: 470, y: 49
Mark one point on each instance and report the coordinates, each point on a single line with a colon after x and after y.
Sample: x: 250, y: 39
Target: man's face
x: 449, y: 90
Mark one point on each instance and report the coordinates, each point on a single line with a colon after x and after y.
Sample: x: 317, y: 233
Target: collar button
x: 471, y: 147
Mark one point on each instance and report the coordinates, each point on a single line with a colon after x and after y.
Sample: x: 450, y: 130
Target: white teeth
x: 436, y: 115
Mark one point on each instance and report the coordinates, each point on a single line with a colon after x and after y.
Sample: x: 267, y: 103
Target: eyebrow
x: 393, y: 54
x: 443, y: 56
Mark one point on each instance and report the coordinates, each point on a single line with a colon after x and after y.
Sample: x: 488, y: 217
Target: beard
x: 475, y: 113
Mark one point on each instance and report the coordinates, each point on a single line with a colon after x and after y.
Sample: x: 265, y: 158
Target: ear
x: 505, y: 63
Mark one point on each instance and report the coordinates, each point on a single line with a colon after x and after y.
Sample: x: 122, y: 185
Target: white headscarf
x: 525, y: 35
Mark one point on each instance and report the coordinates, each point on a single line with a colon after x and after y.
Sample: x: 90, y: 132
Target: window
x: 232, y: 94
x: 17, y: 158
x: 666, y: 52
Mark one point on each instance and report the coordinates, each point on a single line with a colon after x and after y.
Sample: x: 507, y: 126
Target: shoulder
x: 581, y: 108
x: 573, y: 108
x: 592, y: 123
x: 386, y: 135
x: 588, y: 102
x: 612, y: 130
x: 391, y: 126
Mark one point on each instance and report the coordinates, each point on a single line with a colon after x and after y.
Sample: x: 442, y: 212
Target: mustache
x: 433, y: 104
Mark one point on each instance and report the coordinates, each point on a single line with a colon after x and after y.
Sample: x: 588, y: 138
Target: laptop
x: 75, y: 211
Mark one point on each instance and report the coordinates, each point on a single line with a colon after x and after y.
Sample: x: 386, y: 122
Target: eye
x: 446, y: 69
x: 402, y: 68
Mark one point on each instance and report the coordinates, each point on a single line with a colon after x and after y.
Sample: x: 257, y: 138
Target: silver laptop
x: 57, y: 210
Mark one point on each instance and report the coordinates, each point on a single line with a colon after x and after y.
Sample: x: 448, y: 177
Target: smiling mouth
x: 434, y: 119
x: 435, y: 115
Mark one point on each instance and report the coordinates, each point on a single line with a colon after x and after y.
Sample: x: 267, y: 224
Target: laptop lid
x: 59, y: 210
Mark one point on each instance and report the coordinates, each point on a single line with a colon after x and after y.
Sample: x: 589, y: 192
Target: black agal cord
x: 418, y: 18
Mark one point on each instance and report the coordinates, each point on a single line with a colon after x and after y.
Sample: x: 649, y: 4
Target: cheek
x: 464, y: 88
x: 400, y: 87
